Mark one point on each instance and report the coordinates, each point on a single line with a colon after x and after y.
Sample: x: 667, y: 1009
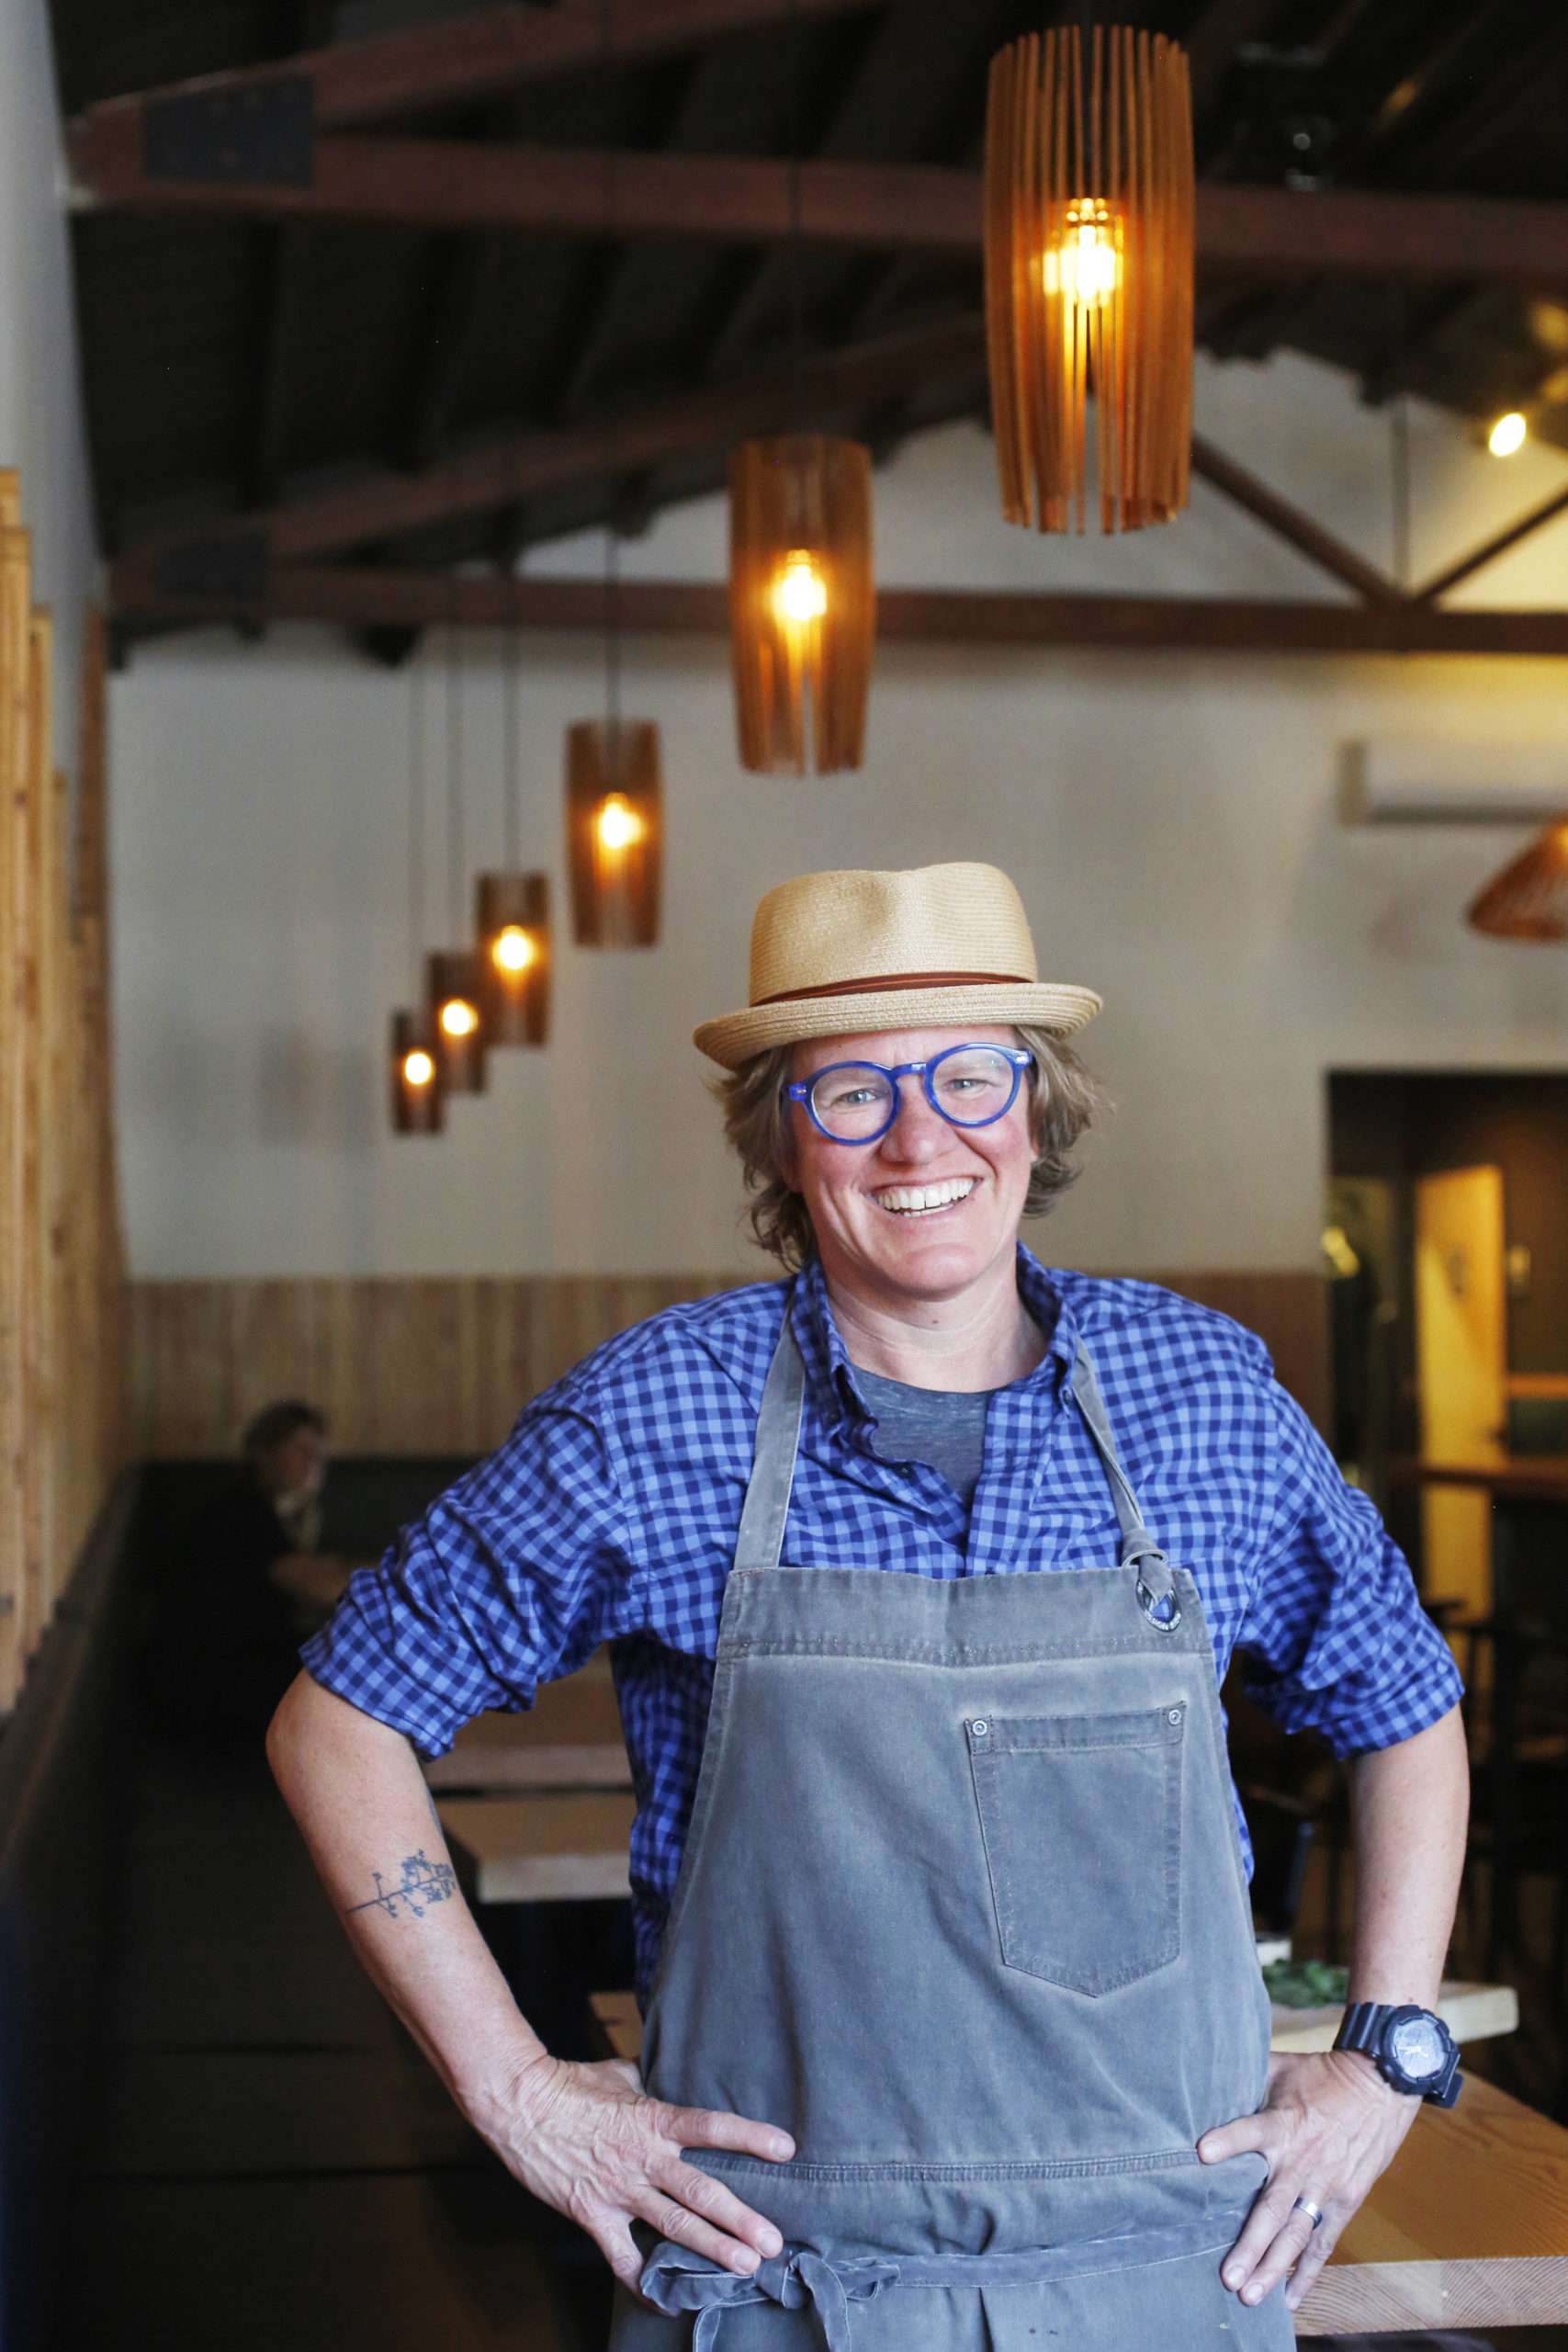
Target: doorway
x: 1446, y: 1243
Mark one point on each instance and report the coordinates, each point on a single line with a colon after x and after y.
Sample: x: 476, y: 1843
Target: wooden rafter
x: 488, y: 479
x: 1264, y: 233
x: 1197, y: 624
x: 1490, y: 549
x: 1289, y: 523
x: 481, y: 55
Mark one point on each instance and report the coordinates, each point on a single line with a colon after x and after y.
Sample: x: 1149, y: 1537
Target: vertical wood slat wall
x: 61, y: 1281
x: 445, y: 1366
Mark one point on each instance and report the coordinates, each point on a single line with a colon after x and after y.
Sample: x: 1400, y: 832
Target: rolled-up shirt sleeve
x: 512, y: 1578
x: 1335, y: 1639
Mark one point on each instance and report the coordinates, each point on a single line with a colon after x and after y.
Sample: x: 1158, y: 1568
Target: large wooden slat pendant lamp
x: 457, y: 1020
x: 802, y: 602
x: 614, y: 819
x: 1530, y: 899
x: 1089, y: 274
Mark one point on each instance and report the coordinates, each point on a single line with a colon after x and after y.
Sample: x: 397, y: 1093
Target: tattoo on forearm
x: 423, y: 1883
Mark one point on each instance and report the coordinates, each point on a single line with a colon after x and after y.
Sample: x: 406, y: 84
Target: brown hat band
x: 885, y: 982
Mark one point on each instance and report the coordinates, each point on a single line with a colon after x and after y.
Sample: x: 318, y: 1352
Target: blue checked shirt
x: 611, y: 1512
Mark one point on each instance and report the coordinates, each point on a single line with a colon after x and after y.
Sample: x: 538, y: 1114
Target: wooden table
x: 1467, y: 2227
x: 569, y: 1738
x: 543, y: 1849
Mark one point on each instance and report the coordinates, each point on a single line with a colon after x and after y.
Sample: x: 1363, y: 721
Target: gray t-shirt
x: 943, y: 1427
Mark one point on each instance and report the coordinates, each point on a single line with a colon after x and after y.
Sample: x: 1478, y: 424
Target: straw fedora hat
x: 832, y: 954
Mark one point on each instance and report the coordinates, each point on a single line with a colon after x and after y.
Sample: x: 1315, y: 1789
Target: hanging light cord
x: 612, y: 545
x: 455, y: 780
x: 512, y: 761
x: 416, y: 822
x: 796, y: 288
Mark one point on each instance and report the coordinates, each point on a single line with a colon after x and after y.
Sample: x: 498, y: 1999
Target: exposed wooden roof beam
x: 1490, y: 549
x: 744, y: 200
x: 501, y: 473
x: 409, y: 599
x: 460, y: 60
x: 1288, y: 522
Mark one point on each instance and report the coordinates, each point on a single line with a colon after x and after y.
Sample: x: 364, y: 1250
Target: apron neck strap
x: 760, y: 1544
x: 760, y: 1540
x: 1157, y: 1585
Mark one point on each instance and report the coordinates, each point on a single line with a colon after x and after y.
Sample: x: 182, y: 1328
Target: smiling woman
x: 1062, y: 1102
x: 949, y: 1965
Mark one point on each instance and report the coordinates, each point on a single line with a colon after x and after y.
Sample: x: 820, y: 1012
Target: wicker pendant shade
x: 513, y: 951
x: 802, y: 602
x: 418, y: 1101
x: 614, y: 819
x: 1530, y: 899
x: 456, y: 1026
x: 1089, y: 274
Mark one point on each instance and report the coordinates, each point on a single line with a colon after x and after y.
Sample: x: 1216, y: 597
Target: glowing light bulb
x: 1507, y: 434
x: 618, y: 823
x: 459, y: 1017
x: 1085, y: 269
x: 800, y: 593
x: 513, y: 950
x: 418, y: 1068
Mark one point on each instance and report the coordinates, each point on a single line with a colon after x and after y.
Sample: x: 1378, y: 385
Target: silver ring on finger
x: 1314, y: 2212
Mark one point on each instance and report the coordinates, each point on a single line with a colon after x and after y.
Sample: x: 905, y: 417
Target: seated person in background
x: 245, y: 1584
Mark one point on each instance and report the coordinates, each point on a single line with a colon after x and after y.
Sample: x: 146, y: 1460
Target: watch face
x: 1417, y: 2047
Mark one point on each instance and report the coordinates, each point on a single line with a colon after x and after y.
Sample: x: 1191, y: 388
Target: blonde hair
x: 1063, y: 1099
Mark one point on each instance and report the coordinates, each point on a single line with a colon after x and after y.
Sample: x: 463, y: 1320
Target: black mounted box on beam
x: 263, y: 137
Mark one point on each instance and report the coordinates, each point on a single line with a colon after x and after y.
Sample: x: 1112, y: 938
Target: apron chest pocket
x: 1081, y: 1817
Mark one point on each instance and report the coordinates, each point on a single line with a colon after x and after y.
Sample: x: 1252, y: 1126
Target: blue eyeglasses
x: 969, y: 1086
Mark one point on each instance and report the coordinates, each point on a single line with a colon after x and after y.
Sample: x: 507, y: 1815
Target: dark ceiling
x: 232, y: 364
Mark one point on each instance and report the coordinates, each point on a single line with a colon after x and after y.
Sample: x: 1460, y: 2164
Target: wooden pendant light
x: 614, y: 818
x: 456, y: 1025
x: 1089, y: 274
x: 419, y: 1103
x: 1530, y: 899
x: 802, y: 602
x: 512, y: 949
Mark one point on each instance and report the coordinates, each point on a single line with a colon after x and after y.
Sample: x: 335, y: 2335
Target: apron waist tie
x: 674, y: 2280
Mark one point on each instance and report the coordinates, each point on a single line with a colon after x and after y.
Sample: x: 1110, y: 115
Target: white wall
x: 1170, y: 820
x: 40, y: 409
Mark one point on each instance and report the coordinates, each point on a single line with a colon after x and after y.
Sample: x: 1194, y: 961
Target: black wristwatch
x: 1411, y: 2049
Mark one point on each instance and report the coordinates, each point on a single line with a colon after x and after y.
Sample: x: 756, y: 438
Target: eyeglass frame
x: 801, y: 1090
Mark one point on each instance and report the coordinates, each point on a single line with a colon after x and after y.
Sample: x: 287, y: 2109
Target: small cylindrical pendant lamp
x: 456, y: 1022
x: 802, y: 602
x: 512, y: 949
x: 1090, y: 209
x: 419, y: 1105
x: 614, y: 832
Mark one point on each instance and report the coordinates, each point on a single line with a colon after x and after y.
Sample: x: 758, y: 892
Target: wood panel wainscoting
x: 444, y: 1365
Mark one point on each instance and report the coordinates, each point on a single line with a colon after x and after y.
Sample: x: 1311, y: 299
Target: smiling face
x: 930, y: 1211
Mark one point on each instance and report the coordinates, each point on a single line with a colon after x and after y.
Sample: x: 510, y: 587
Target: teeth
x: 915, y: 1200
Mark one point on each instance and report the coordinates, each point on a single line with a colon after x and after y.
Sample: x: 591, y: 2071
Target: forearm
x: 1409, y: 1808
x: 355, y: 1789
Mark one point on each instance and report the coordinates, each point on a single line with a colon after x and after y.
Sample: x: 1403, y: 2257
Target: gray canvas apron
x: 963, y: 1908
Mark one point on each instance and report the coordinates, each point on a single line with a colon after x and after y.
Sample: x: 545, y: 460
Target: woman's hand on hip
x: 587, y: 2140
x: 1328, y: 2126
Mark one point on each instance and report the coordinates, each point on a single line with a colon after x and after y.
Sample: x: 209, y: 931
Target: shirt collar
x: 830, y: 1377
